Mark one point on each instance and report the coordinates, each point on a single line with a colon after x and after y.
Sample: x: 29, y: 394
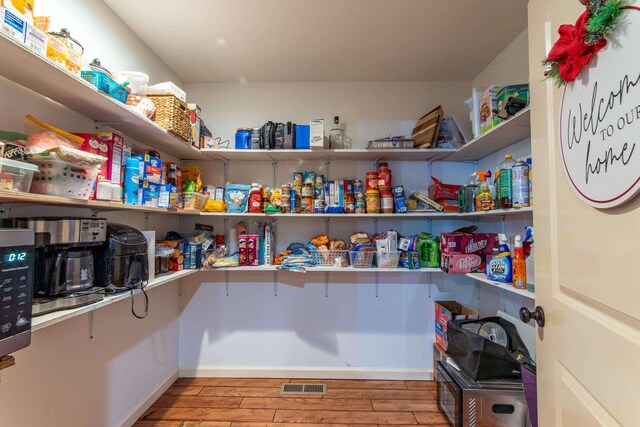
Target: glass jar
x: 373, y: 201
x: 386, y: 201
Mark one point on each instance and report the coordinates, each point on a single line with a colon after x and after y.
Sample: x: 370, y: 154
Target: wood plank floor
x: 249, y: 402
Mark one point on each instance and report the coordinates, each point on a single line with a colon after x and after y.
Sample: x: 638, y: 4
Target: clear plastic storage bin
x: 387, y: 259
x: 331, y: 258
x: 15, y: 175
x: 59, y: 178
x: 194, y: 201
x: 362, y: 259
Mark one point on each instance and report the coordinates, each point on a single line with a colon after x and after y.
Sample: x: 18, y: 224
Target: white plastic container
x: 15, y: 175
x: 138, y: 82
x: 59, y: 178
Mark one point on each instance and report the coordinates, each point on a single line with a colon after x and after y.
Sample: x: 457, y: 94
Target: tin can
x: 285, y: 190
x: 309, y: 177
x: 308, y: 191
x: 318, y: 206
x: 361, y: 205
x: 306, y: 205
x: 297, y: 179
x: 349, y: 203
x: 357, y: 186
x: 319, y: 181
x: 286, y: 204
x: 219, y: 239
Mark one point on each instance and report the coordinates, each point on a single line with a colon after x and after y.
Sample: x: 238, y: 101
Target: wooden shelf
x: 263, y: 268
x: 352, y: 154
x: 40, y: 75
x: 49, y: 319
x: 481, y: 277
x: 502, y: 136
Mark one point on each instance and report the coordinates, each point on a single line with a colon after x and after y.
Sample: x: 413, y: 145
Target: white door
x: 587, y: 266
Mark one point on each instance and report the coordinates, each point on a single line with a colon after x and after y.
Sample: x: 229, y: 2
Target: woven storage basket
x: 172, y: 114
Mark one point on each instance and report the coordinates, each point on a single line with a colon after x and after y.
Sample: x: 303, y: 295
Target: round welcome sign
x: 600, y: 122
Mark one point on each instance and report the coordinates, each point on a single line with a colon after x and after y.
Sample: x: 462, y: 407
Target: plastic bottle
x: 483, y: 198
x: 530, y: 163
x: 528, y: 251
x: 520, y: 184
x: 500, y: 267
x: 462, y: 199
x: 519, y: 265
x: 473, y: 183
x: 506, y: 200
x: 496, y: 183
x: 131, y: 181
x: 255, y: 198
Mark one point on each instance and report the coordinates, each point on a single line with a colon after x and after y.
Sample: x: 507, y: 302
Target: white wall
x: 65, y: 378
x: 510, y: 67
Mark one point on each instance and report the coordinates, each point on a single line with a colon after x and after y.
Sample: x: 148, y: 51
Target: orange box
x: 450, y: 310
x: 449, y: 205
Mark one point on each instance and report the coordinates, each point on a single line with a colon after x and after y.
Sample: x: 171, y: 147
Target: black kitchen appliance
x: 64, y: 264
x: 123, y: 260
x: 468, y: 403
x: 16, y: 286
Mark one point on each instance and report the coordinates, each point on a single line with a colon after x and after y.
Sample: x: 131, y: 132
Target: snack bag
x: 237, y: 196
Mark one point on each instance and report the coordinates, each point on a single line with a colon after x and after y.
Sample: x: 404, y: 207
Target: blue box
x: 303, y: 141
x: 150, y: 168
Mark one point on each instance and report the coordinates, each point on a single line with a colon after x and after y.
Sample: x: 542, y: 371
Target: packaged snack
x: 252, y: 249
x: 42, y: 136
x: 192, y: 174
x: 243, y: 259
x: 409, y: 260
x: 443, y: 191
x: 176, y: 261
x: 427, y: 201
x: 236, y: 197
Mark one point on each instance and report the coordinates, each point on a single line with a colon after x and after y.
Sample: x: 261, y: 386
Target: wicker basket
x: 172, y: 114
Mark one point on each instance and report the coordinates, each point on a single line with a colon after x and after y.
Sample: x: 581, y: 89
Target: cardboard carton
x: 450, y: 310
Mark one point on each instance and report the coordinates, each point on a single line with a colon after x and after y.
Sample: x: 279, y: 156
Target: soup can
x: 357, y: 186
x: 297, y: 179
x: 308, y: 190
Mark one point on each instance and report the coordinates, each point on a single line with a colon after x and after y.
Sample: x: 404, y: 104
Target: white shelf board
x: 49, y: 319
x: 42, y: 76
x: 409, y: 215
x: 481, y: 277
x: 351, y: 154
x: 502, y: 136
x: 263, y: 268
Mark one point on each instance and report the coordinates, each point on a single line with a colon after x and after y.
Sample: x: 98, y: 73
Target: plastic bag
x: 42, y: 136
x: 237, y: 197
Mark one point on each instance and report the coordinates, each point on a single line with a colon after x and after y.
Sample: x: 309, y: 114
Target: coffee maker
x: 122, y: 262
x: 64, y: 262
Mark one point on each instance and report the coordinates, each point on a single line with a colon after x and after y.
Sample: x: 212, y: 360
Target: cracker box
x: 195, y: 119
x: 450, y: 310
x: 489, y: 108
x: 12, y: 25
x: 176, y: 261
x: 449, y: 205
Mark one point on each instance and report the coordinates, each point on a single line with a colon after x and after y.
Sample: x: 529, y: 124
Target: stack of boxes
x: 158, y: 182
x: 466, y: 252
x: 450, y: 310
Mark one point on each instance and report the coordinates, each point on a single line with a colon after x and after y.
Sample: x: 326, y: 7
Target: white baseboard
x: 306, y: 372
x: 152, y: 397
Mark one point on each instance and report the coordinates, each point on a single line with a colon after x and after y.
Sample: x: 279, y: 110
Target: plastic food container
x: 362, y: 259
x: 194, y: 201
x: 138, y: 82
x: 59, y: 178
x: 331, y: 258
x: 15, y: 175
x: 388, y: 259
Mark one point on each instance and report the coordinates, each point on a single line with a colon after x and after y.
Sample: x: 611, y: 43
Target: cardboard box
x: 462, y: 243
x: 192, y: 255
x: 449, y: 205
x: 35, y: 40
x: 450, y: 310
x: 108, y: 145
x: 316, y: 134
x: 12, y: 25
x: 489, y: 108
x: 23, y: 7
x: 457, y: 263
x: 195, y: 119
x: 150, y: 168
x: 149, y: 194
x: 164, y: 195
x: 176, y: 261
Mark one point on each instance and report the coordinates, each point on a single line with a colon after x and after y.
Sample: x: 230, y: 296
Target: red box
x: 109, y: 145
x: 449, y: 205
x: 450, y: 310
x: 457, y: 242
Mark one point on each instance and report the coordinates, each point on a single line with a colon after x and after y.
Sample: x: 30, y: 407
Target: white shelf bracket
x: 275, y: 283
x: 226, y: 283
x: 326, y: 284
x: 274, y: 165
x: 502, y: 224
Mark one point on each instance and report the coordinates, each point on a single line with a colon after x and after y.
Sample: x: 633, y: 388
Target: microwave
x: 469, y: 403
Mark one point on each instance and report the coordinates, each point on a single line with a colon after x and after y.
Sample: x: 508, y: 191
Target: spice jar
x: 386, y: 201
x: 373, y: 201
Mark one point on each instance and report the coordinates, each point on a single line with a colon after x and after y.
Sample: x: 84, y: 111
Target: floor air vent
x: 291, y: 388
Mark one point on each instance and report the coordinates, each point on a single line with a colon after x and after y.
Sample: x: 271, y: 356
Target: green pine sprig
x: 604, y: 19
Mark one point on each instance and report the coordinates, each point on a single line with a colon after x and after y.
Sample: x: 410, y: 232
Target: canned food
x: 285, y: 190
x: 306, y: 205
x: 318, y: 206
x: 219, y: 239
x: 308, y: 191
x: 349, y: 203
x: 359, y: 195
x: 357, y: 186
x: 319, y: 181
x: 309, y: 177
x: 348, y: 186
x: 297, y: 179
x: 360, y: 205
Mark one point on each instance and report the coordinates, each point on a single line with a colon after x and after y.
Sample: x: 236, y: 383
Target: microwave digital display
x: 15, y: 257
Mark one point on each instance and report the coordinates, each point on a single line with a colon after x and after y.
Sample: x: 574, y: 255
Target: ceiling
x: 324, y: 40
